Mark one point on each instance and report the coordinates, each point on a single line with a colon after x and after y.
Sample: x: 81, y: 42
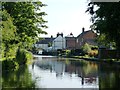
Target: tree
x: 106, y: 20
x: 8, y: 34
x: 28, y: 21
x: 21, y: 23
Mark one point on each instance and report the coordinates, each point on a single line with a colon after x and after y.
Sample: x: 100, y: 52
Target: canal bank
x: 109, y: 61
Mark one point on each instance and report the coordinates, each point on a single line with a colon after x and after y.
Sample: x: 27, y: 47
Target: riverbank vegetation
x: 86, y: 51
x: 106, y: 22
x: 20, y: 26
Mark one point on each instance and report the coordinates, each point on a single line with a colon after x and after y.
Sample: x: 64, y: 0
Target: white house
x: 59, y: 42
x: 44, y: 43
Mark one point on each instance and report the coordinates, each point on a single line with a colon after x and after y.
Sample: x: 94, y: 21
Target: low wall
x: 108, y: 54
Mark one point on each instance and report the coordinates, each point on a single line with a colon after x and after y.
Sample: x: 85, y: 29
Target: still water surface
x: 54, y: 72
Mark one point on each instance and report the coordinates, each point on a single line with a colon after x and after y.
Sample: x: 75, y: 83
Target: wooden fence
x: 108, y: 54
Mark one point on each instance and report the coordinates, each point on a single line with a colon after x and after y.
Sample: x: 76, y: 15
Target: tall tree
x: 28, y: 20
x: 106, y: 20
x: 21, y: 23
x: 8, y: 33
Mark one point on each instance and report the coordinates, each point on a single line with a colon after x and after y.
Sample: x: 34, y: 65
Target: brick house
x: 70, y: 42
x: 85, y: 37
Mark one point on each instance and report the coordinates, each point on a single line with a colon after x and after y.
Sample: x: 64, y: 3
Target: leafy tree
x: 8, y: 34
x: 21, y: 23
x: 106, y: 20
x: 28, y: 21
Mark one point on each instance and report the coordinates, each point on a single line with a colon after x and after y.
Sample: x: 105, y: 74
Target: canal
x: 56, y: 72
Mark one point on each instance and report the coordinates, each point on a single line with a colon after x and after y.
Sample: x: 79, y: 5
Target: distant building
x: 85, y: 37
x: 70, y: 42
x: 44, y: 43
x: 59, y: 42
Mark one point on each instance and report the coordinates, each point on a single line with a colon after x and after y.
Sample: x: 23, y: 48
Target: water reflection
x: 109, y: 76
x: 86, y: 72
x: 77, y: 73
x: 53, y: 72
x: 20, y: 78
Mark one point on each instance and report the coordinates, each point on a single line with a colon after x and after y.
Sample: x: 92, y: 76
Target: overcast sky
x: 66, y: 16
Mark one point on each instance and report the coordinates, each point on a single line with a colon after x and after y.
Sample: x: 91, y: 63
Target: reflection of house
x: 54, y: 66
x: 85, y: 37
x: 70, y: 41
x: 44, y: 43
x: 59, y: 42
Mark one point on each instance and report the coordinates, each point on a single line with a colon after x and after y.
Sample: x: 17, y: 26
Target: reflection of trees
x: 109, y: 76
x: 20, y: 78
x: 84, y: 69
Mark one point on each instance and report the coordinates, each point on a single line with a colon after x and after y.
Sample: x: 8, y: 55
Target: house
x: 70, y: 42
x: 85, y: 37
x: 59, y: 42
x: 44, y: 44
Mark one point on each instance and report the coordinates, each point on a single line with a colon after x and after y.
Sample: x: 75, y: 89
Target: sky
x: 66, y: 16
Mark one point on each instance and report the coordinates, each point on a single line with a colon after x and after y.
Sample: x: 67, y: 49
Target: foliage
x: 68, y: 53
x: 93, y: 53
x: 28, y: 21
x: 8, y: 34
x: 9, y: 65
x: 86, y: 48
x: 23, y: 56
x: 20, y: 25
x: 106, y: 20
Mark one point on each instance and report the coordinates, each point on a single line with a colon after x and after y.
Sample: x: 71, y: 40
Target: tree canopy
x: 21, y: 23
x: 106, y: 20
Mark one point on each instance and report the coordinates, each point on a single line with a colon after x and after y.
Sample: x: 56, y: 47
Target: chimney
x: 71, y: 33
x: 58, y: 34
x: 83, y: 29
x: 62, y: 34
x: 51, y: 36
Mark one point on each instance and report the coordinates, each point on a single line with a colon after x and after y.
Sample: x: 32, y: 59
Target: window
x: 77, y: 40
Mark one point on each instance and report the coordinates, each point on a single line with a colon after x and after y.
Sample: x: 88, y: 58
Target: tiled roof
x: 45, y: 41
x: 91, y: 41
x: 83, y: 33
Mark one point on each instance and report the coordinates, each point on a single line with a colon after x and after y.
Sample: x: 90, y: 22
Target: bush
x: 9, y: 65
x: 68, y: 53
x: 23, y: 56
x: 93, y: 53
x: 86, y: 48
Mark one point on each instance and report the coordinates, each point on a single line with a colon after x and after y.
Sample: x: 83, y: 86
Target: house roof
x: 90, y: 41
x: 85, y: 32
x: 45, y: 41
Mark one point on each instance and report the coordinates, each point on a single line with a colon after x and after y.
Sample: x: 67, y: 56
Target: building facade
x: 70, y: 42
x: 59, y: 42
x: 85, y: 37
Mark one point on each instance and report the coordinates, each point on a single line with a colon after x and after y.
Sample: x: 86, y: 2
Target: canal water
x: 56, y: 72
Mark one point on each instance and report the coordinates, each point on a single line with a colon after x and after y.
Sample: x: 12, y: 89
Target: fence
x: 108, y: 54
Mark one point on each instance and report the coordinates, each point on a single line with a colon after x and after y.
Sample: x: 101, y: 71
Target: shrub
x: 9, y: 65
x: 23, y: 56
x: 93, y: 53
x: 68, y: 53
x: 86, y: 48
